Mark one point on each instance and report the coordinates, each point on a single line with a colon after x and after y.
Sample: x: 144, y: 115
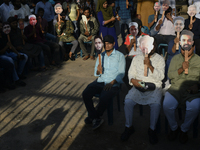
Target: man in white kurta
x: 156, y: 65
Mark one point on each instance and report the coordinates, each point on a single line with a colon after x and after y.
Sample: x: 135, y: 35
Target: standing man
x: 184, y: 88
x: 124, y: 14
x: 107, y: 84
x: 4, y: 9
x: 88, y: 32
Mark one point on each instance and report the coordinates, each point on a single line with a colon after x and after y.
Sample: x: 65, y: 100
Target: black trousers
x: 104, y: 99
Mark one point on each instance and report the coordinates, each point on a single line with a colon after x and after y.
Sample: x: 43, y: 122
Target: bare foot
x: 86, y: 57
x: 70, y: 54
x: 92, y: 57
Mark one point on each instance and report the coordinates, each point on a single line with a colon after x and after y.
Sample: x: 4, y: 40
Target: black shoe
x: 183, y: 138
x: 21, y: 77
x: 97, y: 123
x: 173, y: 134
x: 153, y: 139
x: 72, y: 57
x: 127, y: 133
x: 88, y: 120
x: 20, y: 83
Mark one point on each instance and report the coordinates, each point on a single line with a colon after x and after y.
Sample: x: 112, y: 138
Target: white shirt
x: 197, y: 4
x: 167, y: 28
x: 138, y: 50
x: 192, y: 1
x: 4, y: 11
x: 136, y: 71
x: 20, y: 13
x: 27, y: 8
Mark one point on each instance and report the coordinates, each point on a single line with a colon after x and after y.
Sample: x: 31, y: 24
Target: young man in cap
x: 110, y: 75
x: 184, y: 89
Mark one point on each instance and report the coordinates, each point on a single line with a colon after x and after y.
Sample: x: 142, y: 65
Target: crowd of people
x: 41, y: 29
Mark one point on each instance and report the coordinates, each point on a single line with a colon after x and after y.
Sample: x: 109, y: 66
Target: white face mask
x: 146, y: 44
x: 6, y: 28
x: 178, y: 25
x: 192, y: 10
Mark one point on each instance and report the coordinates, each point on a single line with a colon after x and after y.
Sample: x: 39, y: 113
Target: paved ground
x: 49, y: 114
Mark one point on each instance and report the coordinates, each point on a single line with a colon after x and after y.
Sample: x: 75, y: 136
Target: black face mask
x: 186, y: 47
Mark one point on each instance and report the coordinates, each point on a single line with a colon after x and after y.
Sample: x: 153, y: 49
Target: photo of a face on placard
x: 157, y: 6
x: 21, y: 24
x: 58, y: 8
x: 133, y: 28
x: 98, y: 45
x: 6, y: 28
x: 146, y: 44
x: 197, y: 4
x: 32, y: 20
x: 192, y: 10
x: 165, y: 5
x: 179, y: 24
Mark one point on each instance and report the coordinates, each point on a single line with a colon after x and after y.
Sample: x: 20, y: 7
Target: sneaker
x: 183, y: 138
x: 88, y: 120
x: 20, y: 83
x: 127, y: 133
x: 173, y: 134
x: 153, y: 139
x: 97, y: 123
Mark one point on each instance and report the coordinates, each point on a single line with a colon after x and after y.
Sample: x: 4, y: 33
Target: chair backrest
x: 145, y: 29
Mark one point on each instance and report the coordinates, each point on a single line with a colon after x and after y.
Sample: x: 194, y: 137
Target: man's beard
x: 186, y: 47
x: 109, y: 50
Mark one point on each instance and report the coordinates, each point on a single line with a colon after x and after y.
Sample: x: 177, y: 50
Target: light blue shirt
x: 48, y: 10
x: 113, y: 67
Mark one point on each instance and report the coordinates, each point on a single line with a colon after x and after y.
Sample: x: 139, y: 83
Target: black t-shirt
x: 195, y: 29
x: 3, y: 40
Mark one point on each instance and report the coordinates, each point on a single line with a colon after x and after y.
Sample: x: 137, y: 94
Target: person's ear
x: 192, y: 42
x: 114, y: 44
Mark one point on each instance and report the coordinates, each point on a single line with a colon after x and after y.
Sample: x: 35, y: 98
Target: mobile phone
x: 142, y: 83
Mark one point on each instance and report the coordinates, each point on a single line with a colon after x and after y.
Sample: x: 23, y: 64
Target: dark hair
x: 13, y: 1
x: 11, y: 19
x: 40, y: 9
x: 154, y: 48
x: 98, y: 37
x: 169, y: 10
x: 5, y: 23
x: 87, y: 8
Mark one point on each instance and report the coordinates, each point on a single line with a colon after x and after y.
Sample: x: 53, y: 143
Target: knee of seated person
x: 80, y: 40
x: 9, y: 59
x: 128, y: 102
x: 193, y: 106
x: 25, y: 57
x: 76, y: 42
x: 85, y: 92
x: 167, y: 104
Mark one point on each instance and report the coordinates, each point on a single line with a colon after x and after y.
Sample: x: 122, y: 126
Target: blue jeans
x: 123, y: 24
x: 192, y: 110
x: 50, y: 37
x: 8, y: 66
x: 21, y: 63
